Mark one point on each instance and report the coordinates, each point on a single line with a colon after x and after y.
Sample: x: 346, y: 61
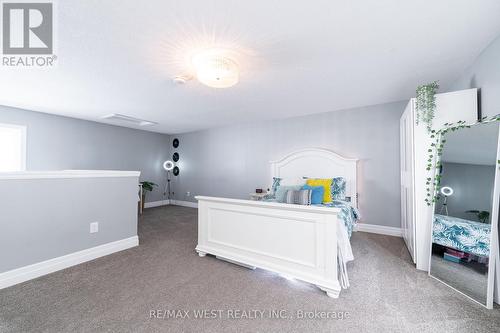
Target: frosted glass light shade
x: 216, y: 70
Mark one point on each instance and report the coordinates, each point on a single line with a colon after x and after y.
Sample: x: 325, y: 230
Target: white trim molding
x: 184, y: 203
x: 172, y: 202
x: 379, y: 229
x: 156, y: 204
x: 67, y: 174
x: 33, y: 271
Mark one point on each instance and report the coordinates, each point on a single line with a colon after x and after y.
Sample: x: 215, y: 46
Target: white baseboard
x: 185, y: 203
x: 379, y: 229
x: 172, y: 202
x: 33, y: 271
x: 155, y: 204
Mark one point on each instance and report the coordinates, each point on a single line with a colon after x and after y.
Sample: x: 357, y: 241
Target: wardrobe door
x: 407, y: 179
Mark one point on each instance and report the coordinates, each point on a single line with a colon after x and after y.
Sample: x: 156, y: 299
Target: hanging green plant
x: 436, y: 151
x: 426, y: 103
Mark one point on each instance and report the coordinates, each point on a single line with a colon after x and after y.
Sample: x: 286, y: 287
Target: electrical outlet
x: 188, y: 194
x: 94, y: 227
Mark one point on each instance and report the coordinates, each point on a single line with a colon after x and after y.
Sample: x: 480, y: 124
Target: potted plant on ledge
x: 146, y: 187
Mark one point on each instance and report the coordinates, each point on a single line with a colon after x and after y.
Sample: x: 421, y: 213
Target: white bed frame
x: 296, y: 241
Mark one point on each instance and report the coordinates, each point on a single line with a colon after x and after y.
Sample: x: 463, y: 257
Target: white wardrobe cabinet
x: 406, y: 126
x: 416, y: 216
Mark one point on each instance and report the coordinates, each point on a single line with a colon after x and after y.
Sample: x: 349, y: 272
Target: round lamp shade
x: 446, y: 191
x: 168, y: 165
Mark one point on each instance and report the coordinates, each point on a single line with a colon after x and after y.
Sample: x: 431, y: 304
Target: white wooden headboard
x: 318, y: 163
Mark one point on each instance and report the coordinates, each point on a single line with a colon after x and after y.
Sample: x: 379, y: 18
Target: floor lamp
x: 168, y: 166
x: 446, y: 191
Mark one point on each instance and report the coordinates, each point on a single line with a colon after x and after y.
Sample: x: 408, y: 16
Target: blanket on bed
x: 348, y: 214
x: 462, y: 235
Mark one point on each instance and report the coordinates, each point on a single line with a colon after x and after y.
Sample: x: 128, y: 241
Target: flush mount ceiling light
x: 216, y: 68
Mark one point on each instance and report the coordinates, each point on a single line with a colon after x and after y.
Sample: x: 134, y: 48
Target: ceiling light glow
x: 216, y: 68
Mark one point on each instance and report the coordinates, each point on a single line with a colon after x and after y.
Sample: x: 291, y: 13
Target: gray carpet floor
x: 468, y: 280
x: 117, y: 293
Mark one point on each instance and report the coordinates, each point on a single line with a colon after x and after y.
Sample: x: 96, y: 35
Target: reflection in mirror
x: 461, y: 232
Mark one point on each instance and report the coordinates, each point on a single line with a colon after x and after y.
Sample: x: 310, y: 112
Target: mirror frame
x: 493, y: 260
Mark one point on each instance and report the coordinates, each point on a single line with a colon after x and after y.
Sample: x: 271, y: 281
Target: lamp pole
x: 167, y: 187
x: 168, y: 166
x: 444, y: 206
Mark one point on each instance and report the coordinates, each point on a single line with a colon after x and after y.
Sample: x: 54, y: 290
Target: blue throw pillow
x: 317, y: 193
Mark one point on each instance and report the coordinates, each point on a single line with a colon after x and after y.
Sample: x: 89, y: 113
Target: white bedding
x: 344, y: 254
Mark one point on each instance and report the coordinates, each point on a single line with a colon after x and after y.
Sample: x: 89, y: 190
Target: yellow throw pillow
x: 326, y: 183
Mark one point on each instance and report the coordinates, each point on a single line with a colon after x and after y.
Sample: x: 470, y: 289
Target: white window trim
x: 23, y: 129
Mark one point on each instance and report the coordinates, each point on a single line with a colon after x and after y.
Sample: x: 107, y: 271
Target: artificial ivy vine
x: 426, y: 103
x: 436, y: 150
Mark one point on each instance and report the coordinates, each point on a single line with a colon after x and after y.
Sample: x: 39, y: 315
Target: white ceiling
x: 297, y: 57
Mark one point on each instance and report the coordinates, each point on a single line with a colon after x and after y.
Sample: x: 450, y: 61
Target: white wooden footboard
x: 293, y: 240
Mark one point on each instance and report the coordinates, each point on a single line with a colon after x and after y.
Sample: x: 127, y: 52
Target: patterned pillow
x: 301, y: 197
x: 274, y: 187
x: 338, y: 188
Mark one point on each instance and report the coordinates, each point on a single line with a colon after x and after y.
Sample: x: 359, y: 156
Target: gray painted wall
x: 46, y: 218
x: 232, y: 161
x: 59, y: 143
x: 472, y: 186
x: 484, y: 73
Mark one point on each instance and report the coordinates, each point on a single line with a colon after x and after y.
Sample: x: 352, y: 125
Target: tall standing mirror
x: 466, y: 212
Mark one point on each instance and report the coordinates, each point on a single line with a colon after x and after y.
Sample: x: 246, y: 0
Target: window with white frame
x: 12, y: 148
